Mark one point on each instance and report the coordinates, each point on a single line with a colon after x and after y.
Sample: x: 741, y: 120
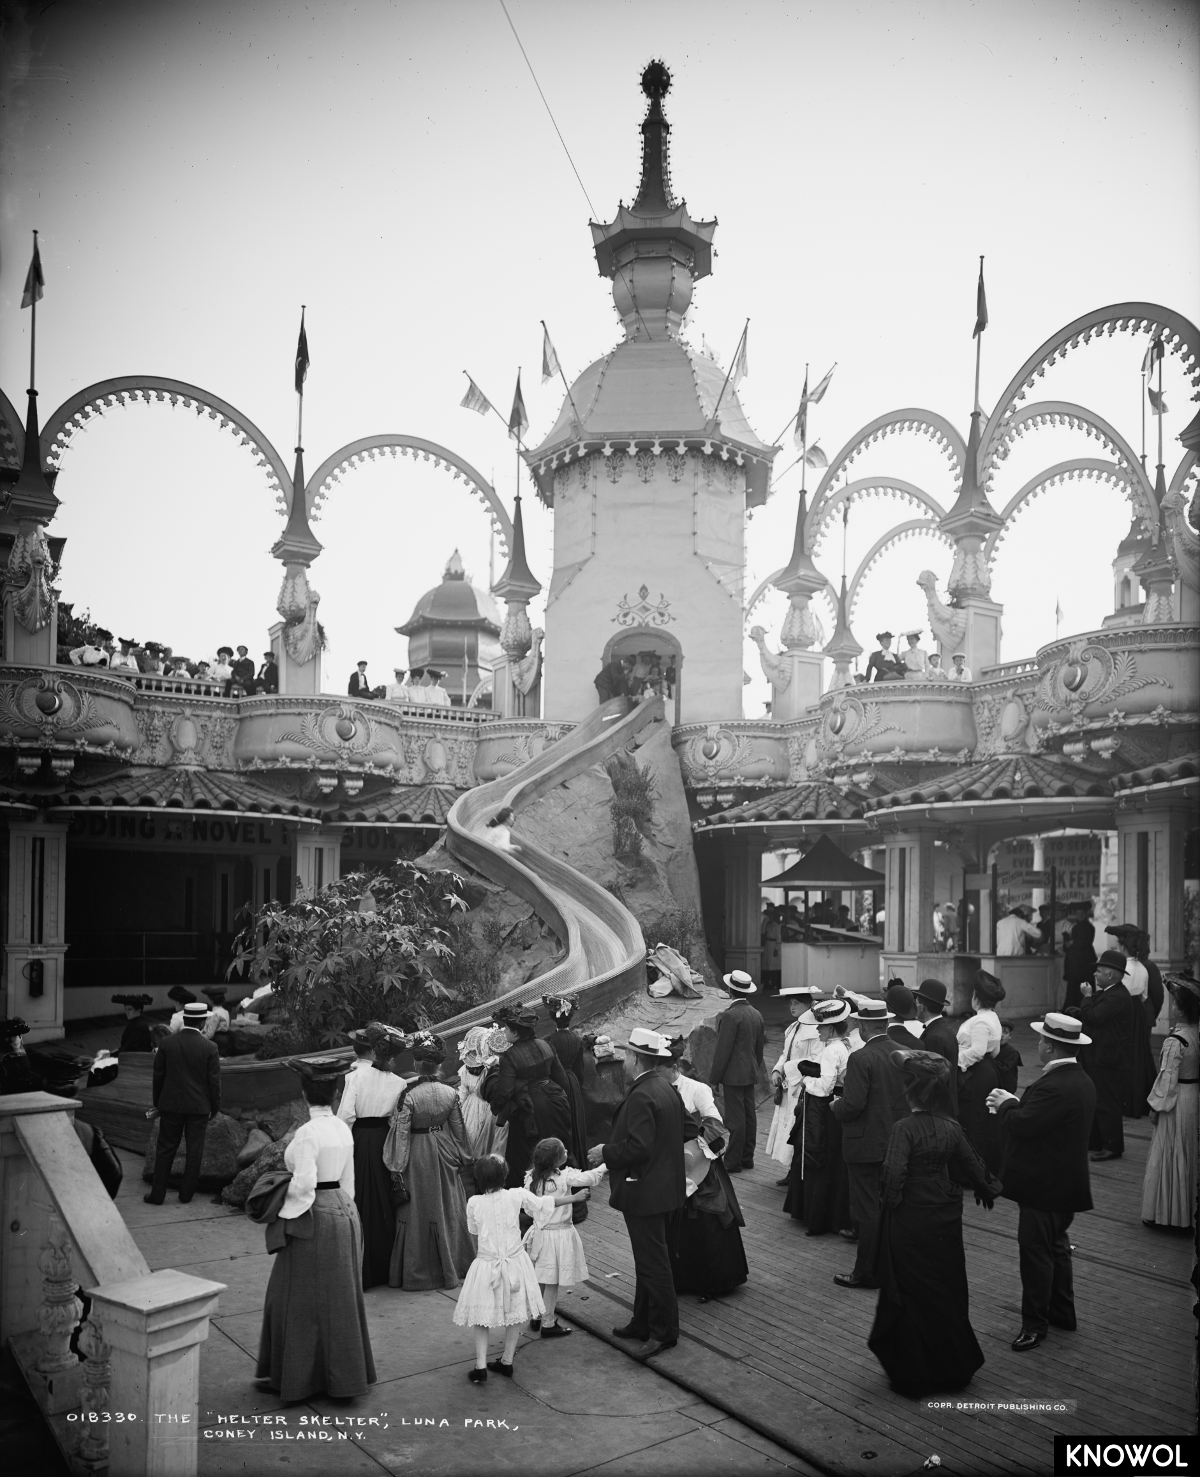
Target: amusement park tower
x: 649, y: 469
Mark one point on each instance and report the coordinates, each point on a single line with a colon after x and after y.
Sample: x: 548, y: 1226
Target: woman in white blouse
x: 314, y: 1333
x: 978, y: 1047
x: 368, y: 1101
x: 801, y: 1043
x: 818, y: 1185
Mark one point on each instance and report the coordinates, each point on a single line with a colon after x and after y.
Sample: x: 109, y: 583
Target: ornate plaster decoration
x: 1089, y: 674
x: 28, y: 578
x: 297, y: 604
x: 526, y: 671
x: 775, y: 669
x: 948, y: 625
x: 1002, y: 722
x: 850, y: 721
x: 641, y: 612
x: 55, y: 706
x: 345, y: 731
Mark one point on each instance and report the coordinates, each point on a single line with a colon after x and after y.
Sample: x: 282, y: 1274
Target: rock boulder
x: 283, y: 1119
x: 223, y: 1142
x: 253, y: 1147
x: 271, y: 1157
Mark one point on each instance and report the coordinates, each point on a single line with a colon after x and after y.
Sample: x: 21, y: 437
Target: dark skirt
x: 707, y: 1256
x: 922, y: 1334
x: 314, y: 1331
x: 818, y: 1185
x: 577, y: 1142
x: 1142, y: 1071
x: 552, y: 1119
x: 373, y: 1196
x: 981, y: 1127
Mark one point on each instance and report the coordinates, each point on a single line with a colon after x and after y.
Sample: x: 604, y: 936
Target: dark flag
x: 981, y: 318
x: 518, y: 421
x: 34, y: 281
x: 301, y: 357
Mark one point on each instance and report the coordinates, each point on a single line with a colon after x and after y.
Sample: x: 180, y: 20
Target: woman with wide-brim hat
x: 1169, y: 1186
x: 818, y: 1184
x: 978, y: 1046
x: 568, y: 1047
x: 1140, y: 1072
x: 704, y: 1236
x: 428, y: 1145
x: 801, y: 1043
x: 368, y: 1103
x: 314, y: 1338
x: 529, y: 1093
x: 922, y: 1333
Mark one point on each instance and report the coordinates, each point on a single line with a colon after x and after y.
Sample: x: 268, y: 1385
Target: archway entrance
x: 658, y: 663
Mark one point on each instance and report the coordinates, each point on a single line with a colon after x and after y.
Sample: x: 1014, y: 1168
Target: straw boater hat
x: 135, y: 1002
x: 873, y: 1010
x: 1063, y: 1028
x: 811, y: 991
x: 195, y: 1014
x: 648, y: 1043
x: 739, y: 982
x: 829, y: 1012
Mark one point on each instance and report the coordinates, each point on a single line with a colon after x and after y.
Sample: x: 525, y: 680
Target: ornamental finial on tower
x: 654, y: 196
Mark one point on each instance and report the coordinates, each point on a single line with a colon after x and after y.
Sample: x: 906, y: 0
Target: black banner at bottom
x: 1134, y: 1456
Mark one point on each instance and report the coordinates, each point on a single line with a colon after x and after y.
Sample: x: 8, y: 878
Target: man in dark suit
x: 614, y: 679
x: 1106, y: 1013
x: 905, y: 1030
x: 939, y: 1034
x: 1045, y: 1170
x: 644, y: 1155
x: 187, y: 1093
x: 737, y: 1060
x: 872, y: 1102
x: 268, y: 674
x: 360, y: 684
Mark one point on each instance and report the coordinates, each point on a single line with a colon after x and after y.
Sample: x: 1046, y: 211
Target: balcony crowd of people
x: 233, y: 674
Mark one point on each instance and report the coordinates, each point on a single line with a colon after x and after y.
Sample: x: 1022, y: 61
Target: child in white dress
x: 500, y: 1289
x: 555, y: 1248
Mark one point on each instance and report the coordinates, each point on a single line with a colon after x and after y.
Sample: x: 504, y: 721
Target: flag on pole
x: 475, y: 399
x: 1153, y: 354
x: 1158, y: 403
x: 815, y: 457
x: 518, y: 421
x: 34, y: 281
x: 801, y: 435
x: 301, y: 357
x: 550, y: 364
x: 981, y: 316
x: 1058, y: 616
x: 819, y: 393
x: 741, y: 367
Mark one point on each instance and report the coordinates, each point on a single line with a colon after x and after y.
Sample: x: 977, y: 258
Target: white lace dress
x: 556, y: 1249
x: 500, y: 1287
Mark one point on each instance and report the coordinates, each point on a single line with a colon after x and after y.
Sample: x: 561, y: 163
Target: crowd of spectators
x: 228, y: 673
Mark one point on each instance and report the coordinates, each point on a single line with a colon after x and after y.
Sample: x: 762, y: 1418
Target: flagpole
x: 491, y: 407
x: 978, y: 348
x: 804, y: 445
x: 300, y: 393
x: 1143, y: 458
x: 725, y: 386
x: 1161, y: 408
x: 562, y: 376
x: 33, y: 330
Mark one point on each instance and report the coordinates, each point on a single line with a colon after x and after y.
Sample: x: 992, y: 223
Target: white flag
x: 550, y: 364
x: 819, y: 393
x: 815, y: 457
x: 475, y: 399
x: 741, y: 367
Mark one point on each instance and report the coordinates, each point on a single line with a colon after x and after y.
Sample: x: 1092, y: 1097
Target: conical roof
x: 827, y: 867
x: 455, y: 602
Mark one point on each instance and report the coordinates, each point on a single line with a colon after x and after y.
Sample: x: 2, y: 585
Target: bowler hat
x: 1063, y: 1028
x: 739, y: 982
x: 901, y: 1002
x: 1110, y: 959
x: 933, y: 992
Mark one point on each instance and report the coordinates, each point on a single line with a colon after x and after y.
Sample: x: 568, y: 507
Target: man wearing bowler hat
x: 872, y: 1102
x: 1106, y: 1015
x: 939, y: 1034
x: 737, y: 1060
x: 187, y: 1093
x: 1045, y: 1170
x: 647, y: 1181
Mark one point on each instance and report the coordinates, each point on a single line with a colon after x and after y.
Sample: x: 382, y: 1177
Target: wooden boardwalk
x: 793, y: 1343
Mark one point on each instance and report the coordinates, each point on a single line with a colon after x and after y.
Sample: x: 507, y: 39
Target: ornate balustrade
x: 1130, y: 676
x: 139, y: 1348
x: 744, y: 753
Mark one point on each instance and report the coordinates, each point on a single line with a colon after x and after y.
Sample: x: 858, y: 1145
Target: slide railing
x: 604, y: 951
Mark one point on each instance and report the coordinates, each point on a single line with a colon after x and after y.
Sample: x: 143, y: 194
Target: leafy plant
x: 335, y: 962
x: 634, y: 793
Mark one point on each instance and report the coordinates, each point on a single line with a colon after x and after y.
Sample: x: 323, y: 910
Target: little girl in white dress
x: 555, y: 1248
x: 500, y: 1289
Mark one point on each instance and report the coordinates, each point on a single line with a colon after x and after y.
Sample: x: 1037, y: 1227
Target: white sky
x: 198, y: 170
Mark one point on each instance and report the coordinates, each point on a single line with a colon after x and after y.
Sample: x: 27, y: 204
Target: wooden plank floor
x: 1129, y: 1369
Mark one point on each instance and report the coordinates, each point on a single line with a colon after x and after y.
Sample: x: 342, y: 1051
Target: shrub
x: 335, y: 966
x: 634, y: 793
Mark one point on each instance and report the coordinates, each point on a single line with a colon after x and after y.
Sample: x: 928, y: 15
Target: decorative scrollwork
x: 1089, y: 674
x: 641, y: 612
x: 29, y: 579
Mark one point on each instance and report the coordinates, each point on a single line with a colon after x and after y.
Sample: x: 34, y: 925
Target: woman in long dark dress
x: 369, y: 1100
x: 428, y: 1145
x: 818, y: 1185
x: 1141, y: 1069
x: 568, y: 1047
x: 922, y: 1333
x: 979, y: 1039
x: 314, y: 1336
x: 529, y: 1092
x: 704, y: 1236
x: 1079, y: 962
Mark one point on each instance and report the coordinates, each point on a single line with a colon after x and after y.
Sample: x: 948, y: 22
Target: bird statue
x: 775, y: 670
x: 949, y: 626
x: 526, y: 672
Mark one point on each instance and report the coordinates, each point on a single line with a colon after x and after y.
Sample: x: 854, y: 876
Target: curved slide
x: 604, y: 949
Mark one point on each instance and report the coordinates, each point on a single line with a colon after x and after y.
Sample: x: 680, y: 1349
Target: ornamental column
x: 298, y: 639
x: 843, y: 648
x: 30, y: 600
x: 1150, y: 887
x: 743, y: 904
x: 35, y: 945
x: 796, y: 673
x: 517, y: 675
x: 969, y: 523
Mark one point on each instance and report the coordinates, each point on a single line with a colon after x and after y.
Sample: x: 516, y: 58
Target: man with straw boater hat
x: 737, y: 1061
x: 644, y: 1155
x: 187, y: 1093
x: 1045, y: 1170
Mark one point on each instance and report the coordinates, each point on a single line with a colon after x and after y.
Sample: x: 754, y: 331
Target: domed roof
x: 455, y: 602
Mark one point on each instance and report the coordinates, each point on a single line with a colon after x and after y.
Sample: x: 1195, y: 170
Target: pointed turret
x: 32, y: 499
x: 842, y: 646
x: 298, y: 544
x: 518, y: 581
x: 969, y: 522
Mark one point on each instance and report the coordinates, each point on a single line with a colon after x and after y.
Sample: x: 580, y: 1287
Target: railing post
x: 61, y: 1310
x: 94, y: 1401
x: 154, y: 1327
